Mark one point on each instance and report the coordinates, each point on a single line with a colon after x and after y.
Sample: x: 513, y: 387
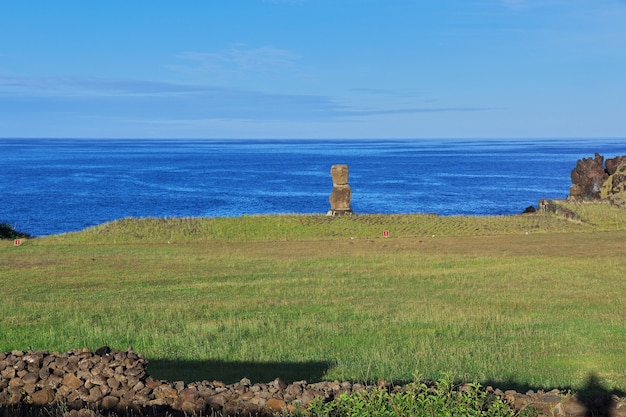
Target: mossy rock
x: 607, y: 188
x: 614, y: 188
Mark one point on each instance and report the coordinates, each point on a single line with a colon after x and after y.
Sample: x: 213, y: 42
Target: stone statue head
x: 339, y: 174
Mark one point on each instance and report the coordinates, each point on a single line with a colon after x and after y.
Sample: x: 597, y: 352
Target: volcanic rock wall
x: 113, y: 380
x: 89, y: 383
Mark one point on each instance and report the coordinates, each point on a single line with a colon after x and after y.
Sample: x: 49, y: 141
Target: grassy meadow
x: 530, y: 301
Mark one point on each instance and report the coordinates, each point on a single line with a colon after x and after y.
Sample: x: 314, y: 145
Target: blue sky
x: 313, y: 68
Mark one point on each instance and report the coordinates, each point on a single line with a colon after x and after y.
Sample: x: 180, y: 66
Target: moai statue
x: 342, y: 193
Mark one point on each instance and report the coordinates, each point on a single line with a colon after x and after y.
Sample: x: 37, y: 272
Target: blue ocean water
x: 51, y: 186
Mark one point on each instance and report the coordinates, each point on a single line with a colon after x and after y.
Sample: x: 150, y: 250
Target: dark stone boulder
x: 587, y: 178
x: 613, y: 164
x: 597, y: 179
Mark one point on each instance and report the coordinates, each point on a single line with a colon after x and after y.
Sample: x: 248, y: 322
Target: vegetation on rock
x: 7, y: 232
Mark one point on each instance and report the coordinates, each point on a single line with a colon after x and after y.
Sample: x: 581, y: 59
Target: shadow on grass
x: 596, y: 397
x: 231, y: 372
x: 593, y: 387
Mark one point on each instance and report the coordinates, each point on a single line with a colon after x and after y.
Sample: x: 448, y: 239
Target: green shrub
x: 7, y: 232
x: 418, y: 400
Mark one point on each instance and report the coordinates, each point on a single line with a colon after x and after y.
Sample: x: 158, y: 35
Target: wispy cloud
x: 164, y: 102
x: 87, y: 87
x: 238, y: 61
x: 381, y: 112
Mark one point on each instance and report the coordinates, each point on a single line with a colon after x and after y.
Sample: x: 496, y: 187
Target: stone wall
x: 109, y: 381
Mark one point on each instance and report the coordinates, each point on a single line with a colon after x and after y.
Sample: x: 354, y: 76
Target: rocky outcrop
x: 613, y: 164
x: 595, y: 179
x: 614, y: 187
x: 342, y: 193
x: 587, y: 178
x: 106, y: 381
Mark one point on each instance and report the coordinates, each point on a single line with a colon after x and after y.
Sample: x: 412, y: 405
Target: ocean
x: 53, y: 186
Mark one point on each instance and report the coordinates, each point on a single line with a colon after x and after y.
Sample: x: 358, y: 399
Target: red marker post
x: 17, y: 242
x: 386, y: 233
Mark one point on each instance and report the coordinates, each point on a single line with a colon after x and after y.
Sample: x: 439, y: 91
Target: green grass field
x: 529, y: 301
